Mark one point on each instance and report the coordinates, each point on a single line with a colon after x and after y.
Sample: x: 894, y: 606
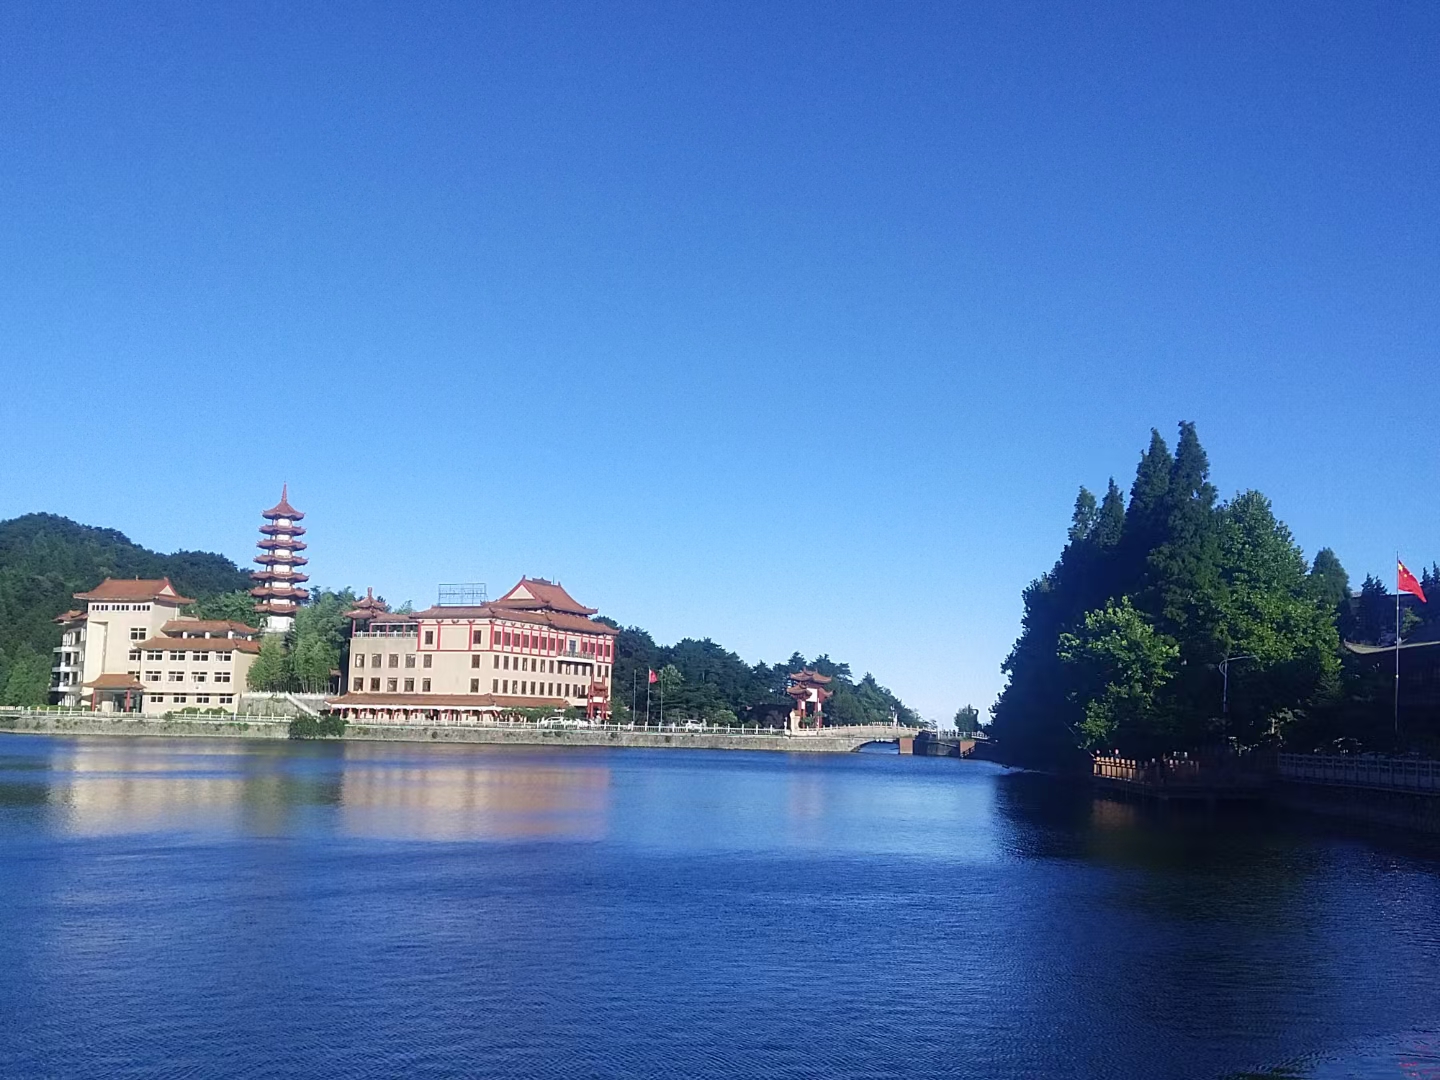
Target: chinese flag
x: 656, y: 678
x: 1405, y: 582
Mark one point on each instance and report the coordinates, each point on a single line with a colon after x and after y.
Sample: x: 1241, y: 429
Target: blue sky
x: 792, y: 325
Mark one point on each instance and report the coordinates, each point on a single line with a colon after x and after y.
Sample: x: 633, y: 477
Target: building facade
x: 128, y: 649
x: 535, y: 647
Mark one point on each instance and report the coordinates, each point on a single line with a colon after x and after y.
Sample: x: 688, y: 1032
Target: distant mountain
x: 45, y: 559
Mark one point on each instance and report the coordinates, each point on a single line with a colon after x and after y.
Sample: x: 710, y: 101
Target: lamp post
x: 1225, y: 681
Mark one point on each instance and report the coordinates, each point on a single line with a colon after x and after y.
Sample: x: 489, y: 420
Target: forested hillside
x: 46, y: 559
x: 705, y: 681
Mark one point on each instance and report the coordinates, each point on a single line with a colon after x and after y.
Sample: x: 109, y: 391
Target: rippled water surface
x: 204, y: 908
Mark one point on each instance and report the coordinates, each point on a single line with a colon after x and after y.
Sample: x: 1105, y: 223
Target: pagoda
x: 278, y: 593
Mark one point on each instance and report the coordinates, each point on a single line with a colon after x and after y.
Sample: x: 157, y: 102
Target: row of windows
x: 394, y: 660
x: 119, y: 607
x: 221, y: 656
x: 179, y: 676
x: 527, y: 642
x: 497, y: 686
x: 184, y: 699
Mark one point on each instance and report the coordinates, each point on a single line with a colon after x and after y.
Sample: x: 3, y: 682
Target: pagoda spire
x: 278, y: 592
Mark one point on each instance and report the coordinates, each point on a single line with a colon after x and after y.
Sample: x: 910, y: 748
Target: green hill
x: 45, y: 559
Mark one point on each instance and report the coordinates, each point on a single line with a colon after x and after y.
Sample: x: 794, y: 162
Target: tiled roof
x: 575, y: 624
x: 70, y: 616
x: 132, y: 589
x: 116, y: 682
x: 207, y: 626
x: 538, y: 594
x: 200, y: 644
x: 283, y: 507
x: 445, y: 701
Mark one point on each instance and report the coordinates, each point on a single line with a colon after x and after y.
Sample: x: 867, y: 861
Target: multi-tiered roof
x: 278, y: 593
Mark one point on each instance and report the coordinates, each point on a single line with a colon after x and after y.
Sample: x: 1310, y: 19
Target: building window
x: 152, y: 676
x: 496, y: 658
x: 410, y: 660
x: 375, y: 685
x: 179, y: 699
x: 227, y: 699
x: 154, y: 654
x: 425, y: 686
x: 134, y: 654
x: 202, y: 656
x: 222, y: 676
x: 475, y: 660
x: 390, y: 686
x: 506, y: 663
x: 177, y: 676
x: 137, y: 633
x: 176, y: 654
x: 359, y: 659
x: 223, y: 657
x: 505, y: 687
x: 202, y: 699
x: 494, y: 686
x: 409, y: 686
x: 427, y: 660
x: 429, y: 637
x: 199, y: 676
x: 375, y: 660
x: 477, y: 637
x: 474, y: 686
x: 394, y: 660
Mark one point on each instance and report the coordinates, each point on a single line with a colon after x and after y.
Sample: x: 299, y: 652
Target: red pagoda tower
x: 277, y: 589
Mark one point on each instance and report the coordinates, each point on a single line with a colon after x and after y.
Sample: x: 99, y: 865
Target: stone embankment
x: 831, y: 740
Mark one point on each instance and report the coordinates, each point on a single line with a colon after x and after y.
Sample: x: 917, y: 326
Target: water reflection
x: 111, y: 787
x: 430, y: 798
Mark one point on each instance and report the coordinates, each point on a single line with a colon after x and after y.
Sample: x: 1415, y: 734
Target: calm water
x: 215, y: 909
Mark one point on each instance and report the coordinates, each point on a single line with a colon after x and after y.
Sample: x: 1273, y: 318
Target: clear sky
x: 795, y: 325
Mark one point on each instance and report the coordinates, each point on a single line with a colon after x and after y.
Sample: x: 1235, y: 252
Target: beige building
x: 535, y: 647
x: 130, y: 650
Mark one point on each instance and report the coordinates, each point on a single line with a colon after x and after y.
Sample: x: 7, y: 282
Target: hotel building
x: 534, y: 647
x: 130, y: 650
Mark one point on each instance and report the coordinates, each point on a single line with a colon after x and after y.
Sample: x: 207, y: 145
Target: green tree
x: 28, y: 680
x: 1122, y: 662
x: 967, y: 719
x: 236, y: 606
x: 271, y: 669
x: 1329, y: 583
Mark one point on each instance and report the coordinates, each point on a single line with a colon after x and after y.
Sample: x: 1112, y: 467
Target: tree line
x: 1175, y: 620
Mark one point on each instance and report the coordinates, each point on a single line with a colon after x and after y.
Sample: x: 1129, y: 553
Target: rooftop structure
x: 278, y: 592
x: 808, y: 689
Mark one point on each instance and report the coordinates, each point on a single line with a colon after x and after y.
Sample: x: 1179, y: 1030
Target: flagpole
x: 1397, y: 648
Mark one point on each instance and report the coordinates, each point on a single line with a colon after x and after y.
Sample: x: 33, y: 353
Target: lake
x: 211, y: 908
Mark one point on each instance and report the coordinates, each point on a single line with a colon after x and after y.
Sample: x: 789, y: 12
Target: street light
x: 1225, y: 681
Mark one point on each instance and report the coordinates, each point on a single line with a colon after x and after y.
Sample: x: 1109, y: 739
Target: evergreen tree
x: 1329, y: 583
x: 28, y: 679
x: 271, y: 669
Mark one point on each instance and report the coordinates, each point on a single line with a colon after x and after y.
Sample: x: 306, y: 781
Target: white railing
x: 56, y: 712
x: 1347, y: 770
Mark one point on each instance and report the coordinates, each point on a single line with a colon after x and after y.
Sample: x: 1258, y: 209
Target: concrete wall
x: 1394, y: 809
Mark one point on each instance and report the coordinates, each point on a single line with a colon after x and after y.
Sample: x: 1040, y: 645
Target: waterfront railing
x: 1362, y: 770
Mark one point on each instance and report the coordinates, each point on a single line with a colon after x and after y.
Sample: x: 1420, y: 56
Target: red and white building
x: 536, y: 647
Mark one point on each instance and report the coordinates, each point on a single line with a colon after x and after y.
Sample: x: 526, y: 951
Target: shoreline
x: 267, y: 728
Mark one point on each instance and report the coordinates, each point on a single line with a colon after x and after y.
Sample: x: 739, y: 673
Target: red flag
x: 1405, y: 582
x: 653, y: 677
